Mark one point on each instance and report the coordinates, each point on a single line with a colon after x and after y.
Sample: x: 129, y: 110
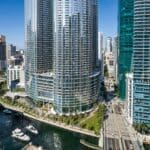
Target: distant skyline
x: 12, y: 20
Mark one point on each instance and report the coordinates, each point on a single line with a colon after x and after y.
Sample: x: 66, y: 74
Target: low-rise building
x: 10, y: 51
x: 15, y: 76
x: 15, y: 60
x: 109, y: 62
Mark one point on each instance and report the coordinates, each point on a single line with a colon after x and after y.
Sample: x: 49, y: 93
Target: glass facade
x: 2, y: 53
x: 39, y: 48
x: 61, y: 53
x: 125, y: 37
x: 141, y: 61
x: 75, y: 57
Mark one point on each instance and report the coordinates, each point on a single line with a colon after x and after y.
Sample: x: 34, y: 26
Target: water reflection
x: 50, y: 138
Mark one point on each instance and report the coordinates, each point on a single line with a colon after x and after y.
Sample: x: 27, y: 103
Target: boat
x: 18, y: 134
x: 6, y: 111
x: 32, y: 129
x: 22, y: 137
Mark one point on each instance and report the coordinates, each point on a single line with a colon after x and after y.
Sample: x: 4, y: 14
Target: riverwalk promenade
x: 89, y: 145
x: 52, y: 123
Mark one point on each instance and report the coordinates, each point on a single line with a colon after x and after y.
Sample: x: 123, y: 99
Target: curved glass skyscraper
x: 61, y: 53
x: 141, y: 62
x: 75, y: 56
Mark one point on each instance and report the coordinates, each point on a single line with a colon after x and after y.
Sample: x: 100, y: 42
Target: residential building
x: 15, y: 72
x: 141, y: 62
x: 39, y: 49
x: 115, y: 54
x: 15, y: 60
x: 100, y: 46
x: 10, y: 51
x: 125, y: 46
x: 108, y: 44
x: 2, y: 53
x: 129, y: 96
x: 109, y: 63
x: 62, y: 54
x: 76, y: 77
x: 15, y: 76
x: 101, y: 52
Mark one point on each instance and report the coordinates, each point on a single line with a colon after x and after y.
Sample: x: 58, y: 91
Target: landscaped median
x: 90, y: 123
x: 95, y: 122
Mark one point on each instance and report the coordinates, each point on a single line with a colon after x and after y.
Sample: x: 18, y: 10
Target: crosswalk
x: 117, y: 134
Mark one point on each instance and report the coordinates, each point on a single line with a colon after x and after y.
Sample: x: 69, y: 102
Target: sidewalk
x: 56, y: 124
x: 137, y: 138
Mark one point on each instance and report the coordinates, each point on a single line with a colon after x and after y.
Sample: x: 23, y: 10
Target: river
x: 49, y: 137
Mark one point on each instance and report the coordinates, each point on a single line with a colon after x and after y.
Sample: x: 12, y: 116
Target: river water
x: 50, y: 138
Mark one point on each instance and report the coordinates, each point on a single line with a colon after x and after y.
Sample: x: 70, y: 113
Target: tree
x: 142, y: 128
x: 104, y: 90
x: 116, y: 89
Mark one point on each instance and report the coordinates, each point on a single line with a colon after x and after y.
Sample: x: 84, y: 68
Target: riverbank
x: 52, y: 123
x: 48, y: 137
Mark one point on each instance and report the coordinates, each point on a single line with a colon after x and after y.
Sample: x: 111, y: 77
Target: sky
x: 12, y: 20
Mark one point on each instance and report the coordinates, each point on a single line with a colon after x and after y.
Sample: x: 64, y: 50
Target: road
x: 117, y: 132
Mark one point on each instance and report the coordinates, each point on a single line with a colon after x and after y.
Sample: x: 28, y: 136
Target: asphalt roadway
x: 117, y: 133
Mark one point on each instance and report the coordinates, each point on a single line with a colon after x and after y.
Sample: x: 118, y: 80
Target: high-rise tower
x: 39, y: 49
x: 2, y: 53
x: 62, y: 53
x: 125, y: 39
x: 100, y: 52
x: 75, y: 55
x: 141, y: 62
x: 100, y: 46
x: 108, y: 44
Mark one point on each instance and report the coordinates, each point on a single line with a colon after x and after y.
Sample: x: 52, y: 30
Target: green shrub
x: 95, y: 122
